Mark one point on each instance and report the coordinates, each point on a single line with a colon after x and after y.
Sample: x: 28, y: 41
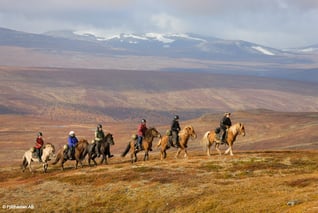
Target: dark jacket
x: 175, y: 126
x: 225, y: 122
x: 99, y: 135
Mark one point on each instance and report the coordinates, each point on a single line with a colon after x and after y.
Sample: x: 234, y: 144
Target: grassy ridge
x: 247, y: 182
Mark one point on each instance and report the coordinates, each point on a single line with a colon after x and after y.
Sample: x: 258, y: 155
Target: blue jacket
x: 72, y: 141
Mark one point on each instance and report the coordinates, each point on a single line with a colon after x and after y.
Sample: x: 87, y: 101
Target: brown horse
x: 104, y: 149
x: 210, y: 138
x: 81, y: 150
x: 150, y: 134
x: 184, y: 136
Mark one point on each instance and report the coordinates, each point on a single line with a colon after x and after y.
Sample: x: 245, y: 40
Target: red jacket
x: 39, y: 143
x: 142, y: 129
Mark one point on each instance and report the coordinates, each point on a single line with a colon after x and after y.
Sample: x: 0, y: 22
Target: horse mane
x: 148, y: 132
x: 234, y: 128
x: 48, y: 144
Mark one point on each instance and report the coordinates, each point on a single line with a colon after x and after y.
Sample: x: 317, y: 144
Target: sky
x: 273, y: 23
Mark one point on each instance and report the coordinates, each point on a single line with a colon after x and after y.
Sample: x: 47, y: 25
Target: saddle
x: 219, y: 134
x: 34, y: 155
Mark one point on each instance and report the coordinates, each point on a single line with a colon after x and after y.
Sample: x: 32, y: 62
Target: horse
x: 150, y: 134
x: 81, y: 150
x: 184, y: 136
x: 30, y: 156
x: 104, y: 149
x: 210, y: 137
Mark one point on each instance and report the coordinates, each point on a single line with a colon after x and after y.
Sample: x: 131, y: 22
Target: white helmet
x: 72, y: 133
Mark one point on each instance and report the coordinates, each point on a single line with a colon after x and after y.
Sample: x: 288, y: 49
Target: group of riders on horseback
x: 173, y: 134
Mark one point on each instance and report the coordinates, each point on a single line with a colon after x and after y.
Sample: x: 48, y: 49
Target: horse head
x: 191, y: 132
x: 188, y: 131
x: 241, y: 129
x: 152, y: 132
x: 109, y: 139
x: 49, y: 149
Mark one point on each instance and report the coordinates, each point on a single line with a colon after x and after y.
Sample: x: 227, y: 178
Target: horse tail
x: 205, y: 140
x: 126, y: 150
x: 24, y: 162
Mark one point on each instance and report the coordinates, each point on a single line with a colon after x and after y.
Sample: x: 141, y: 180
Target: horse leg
x: 132, y: 155
x: 229, y: 150
x: 29, y: 163
x: 164, y: 154
x: 146, y: 156
x: 45, y: 166
x: 208, y: 147
x: 62, y: 164
x: 185, y: 153
x: 104, y: 159
x: 217, y: 148
x: 24, y: 164
x: 178, y: 152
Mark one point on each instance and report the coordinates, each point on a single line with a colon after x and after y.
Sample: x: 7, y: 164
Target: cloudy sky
x: 274, y: 23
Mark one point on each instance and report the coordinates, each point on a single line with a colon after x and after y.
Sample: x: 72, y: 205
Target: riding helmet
x: 176, y: 117
x: 72, y: 133
x: 40, y: 134
x: 99, y: 126
x: 143, y: 120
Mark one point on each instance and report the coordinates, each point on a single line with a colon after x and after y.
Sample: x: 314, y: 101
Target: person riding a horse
x: 225, y: 123
x: 175, y: 128
x: 142, y: 128
x: 99, y: 136
x: 72, y: 141
x: 38, y: 145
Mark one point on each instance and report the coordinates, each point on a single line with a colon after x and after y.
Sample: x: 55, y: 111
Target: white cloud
x: 277, y: 23
x: 165, y: 22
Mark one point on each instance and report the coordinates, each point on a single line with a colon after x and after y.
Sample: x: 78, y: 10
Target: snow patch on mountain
x: 263, y: 50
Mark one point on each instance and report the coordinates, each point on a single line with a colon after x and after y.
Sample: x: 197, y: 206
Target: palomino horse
x: 150, y: 134
x: 104, y: 149
x: 210, y: 137
x: 29, y: 156
x: 184, y: 136
x: 81, y: 150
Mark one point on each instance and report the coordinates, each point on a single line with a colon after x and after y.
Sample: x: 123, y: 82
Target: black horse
x: 104, y: 149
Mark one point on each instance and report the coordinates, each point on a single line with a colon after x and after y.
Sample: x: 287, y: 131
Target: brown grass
x: 246, y: 182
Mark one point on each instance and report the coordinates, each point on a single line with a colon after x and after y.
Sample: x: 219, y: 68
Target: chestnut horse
x: 81, y: 150
x: 150, y: 134
x: 30, y: 156
x: 184, y: 136
x: 210, y: 138
x: 104, y: 149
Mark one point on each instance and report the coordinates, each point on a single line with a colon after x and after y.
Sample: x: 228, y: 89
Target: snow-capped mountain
x: 177, y: 45
x: 146, y: 44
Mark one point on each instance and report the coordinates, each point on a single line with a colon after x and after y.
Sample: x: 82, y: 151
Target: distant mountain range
x: 149, y: 44
x: 208, y: 54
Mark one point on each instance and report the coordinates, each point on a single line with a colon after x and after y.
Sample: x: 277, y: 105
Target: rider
x: 72, y: 141
x: 142, y: 128
x: 38, y: 145
x: 175, y: 128
x: 225, y: 123
x: 99, y: 136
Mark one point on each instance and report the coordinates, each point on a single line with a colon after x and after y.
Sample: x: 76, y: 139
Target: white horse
x: 30, y: 156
